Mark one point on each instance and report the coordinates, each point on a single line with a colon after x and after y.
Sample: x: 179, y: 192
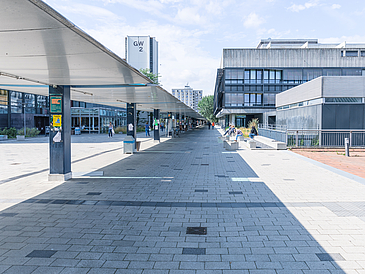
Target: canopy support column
x: 132, y: 120
x: 60, y: 134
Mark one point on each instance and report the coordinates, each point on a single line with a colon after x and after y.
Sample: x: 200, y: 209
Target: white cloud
x: 253, y: 21
x: 297, y: 8
x: 336, y: 6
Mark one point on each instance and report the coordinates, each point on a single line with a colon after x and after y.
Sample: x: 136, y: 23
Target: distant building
x: 250, y: 78
x: 141, y: 52
x: 189, y: 96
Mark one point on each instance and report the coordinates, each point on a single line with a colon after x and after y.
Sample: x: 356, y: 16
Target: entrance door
x: 40, y: 122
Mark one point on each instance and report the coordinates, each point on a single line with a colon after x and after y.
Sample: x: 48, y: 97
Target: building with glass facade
x: 90, y: 118
x: 189, y: 96
x: 250, y: 78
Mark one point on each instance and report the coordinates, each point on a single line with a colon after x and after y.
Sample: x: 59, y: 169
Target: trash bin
x: 138, y: 145
x: 77, y: 131
x: 128, y: 145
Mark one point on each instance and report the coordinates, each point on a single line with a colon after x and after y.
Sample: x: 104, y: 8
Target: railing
x: 315, y: 137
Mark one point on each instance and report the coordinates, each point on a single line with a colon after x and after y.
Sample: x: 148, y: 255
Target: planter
x: 20, y: 137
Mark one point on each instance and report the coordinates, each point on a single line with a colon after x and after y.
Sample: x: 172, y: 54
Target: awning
x: 40, y: 47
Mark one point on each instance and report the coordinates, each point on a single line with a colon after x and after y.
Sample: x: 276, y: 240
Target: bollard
x: 347, y: 147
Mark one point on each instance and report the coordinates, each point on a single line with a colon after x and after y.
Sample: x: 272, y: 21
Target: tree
x: 152, y: 76
x: 206, y: 108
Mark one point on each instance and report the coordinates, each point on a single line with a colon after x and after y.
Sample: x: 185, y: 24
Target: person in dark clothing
x: 209, y: 125
x: 253, y: 132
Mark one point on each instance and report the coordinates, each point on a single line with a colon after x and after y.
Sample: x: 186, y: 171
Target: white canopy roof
x: 39, y: 47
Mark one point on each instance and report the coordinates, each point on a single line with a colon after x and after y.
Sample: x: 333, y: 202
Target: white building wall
x: 189, y: 96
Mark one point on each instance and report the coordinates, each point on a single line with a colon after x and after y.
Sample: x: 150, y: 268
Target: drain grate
x: 196, y: 190
x: 198, y: 158
x: 204, y: 164
x: 221, y: 176
x: 194, y: 251
x: 330, y: 257
x: 164, y: 165
x: 93, y: 193
x: 131, y: 169
x: 82, y: 183
x: 15, y: 164
x: 236, y: 192
x: 177, y: 168
x: 41, y: 254
x: 231, y: 161
x: 289, y: 179
x: 196, y: 230
x: 266, y: 165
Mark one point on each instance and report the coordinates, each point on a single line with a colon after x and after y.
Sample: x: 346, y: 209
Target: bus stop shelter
x: 44, y: 53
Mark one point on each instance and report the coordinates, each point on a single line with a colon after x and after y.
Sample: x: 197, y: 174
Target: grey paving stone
x: 47, y: 270
x: 20, y: 269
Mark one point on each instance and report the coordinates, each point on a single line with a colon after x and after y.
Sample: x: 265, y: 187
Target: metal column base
x: 60, y: 177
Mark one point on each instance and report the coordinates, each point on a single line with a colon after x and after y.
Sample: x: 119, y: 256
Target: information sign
x: 55, y: 104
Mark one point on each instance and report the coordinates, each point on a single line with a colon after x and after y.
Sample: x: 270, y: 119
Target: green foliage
x: 30, y: 132
x: 206, y: 108
x: 152, y: 76
x: 10, y: 132
x: 120, y: 129
x: 254, y: 123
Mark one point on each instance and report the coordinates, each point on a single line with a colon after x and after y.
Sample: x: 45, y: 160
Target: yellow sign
x: 57, y: 120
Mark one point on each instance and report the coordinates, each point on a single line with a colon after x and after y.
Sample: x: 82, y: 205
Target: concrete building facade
x: 250, y: 78
x: 189, y: 96
x: 141, y: 52
x: 328, y: 102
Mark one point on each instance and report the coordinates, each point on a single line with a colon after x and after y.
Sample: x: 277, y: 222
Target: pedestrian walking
x: 111, y: 130
x: 213, y: 124
x: 147, y: 128
x: 209, y: 125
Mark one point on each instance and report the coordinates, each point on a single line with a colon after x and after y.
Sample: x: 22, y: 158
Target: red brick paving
x: 355, y: 164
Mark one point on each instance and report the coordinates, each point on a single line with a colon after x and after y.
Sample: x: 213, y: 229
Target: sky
x: 192, y: 33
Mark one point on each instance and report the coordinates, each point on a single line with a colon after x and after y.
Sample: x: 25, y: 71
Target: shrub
x: 10, y: 132
x: 30, y: 132
x: 121, y: 129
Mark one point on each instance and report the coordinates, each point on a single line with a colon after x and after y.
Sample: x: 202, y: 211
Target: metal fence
x: 315, y: 137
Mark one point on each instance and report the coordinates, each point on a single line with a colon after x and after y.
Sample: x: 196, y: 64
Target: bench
x: 231, y: 145
x: 270, y: 142
x: 3, y: 137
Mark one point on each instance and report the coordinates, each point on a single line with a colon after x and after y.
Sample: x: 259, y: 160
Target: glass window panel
x: 351, y: 53
x: 278, y: 76
x: 228, y: 99
x: 259, y: 99
x: 240, y: 99
x: 252, y: 99
x: 247, y: 74
x: 266, y: 76
x: 331, y: 72
x: 259, y: 76
x: 351, y: 72
x: 228, y: 74
x: 362, y: 53
x: 252, y: 88
x: 247, y: 99
x: 234, y: 74
x: 240, y: 73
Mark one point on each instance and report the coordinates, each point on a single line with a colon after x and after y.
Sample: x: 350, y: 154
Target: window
x: 351, y: 53
x: 253, y: 76
x: 266, y: 76
x: 344, y: 100
x: 362, y: 54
